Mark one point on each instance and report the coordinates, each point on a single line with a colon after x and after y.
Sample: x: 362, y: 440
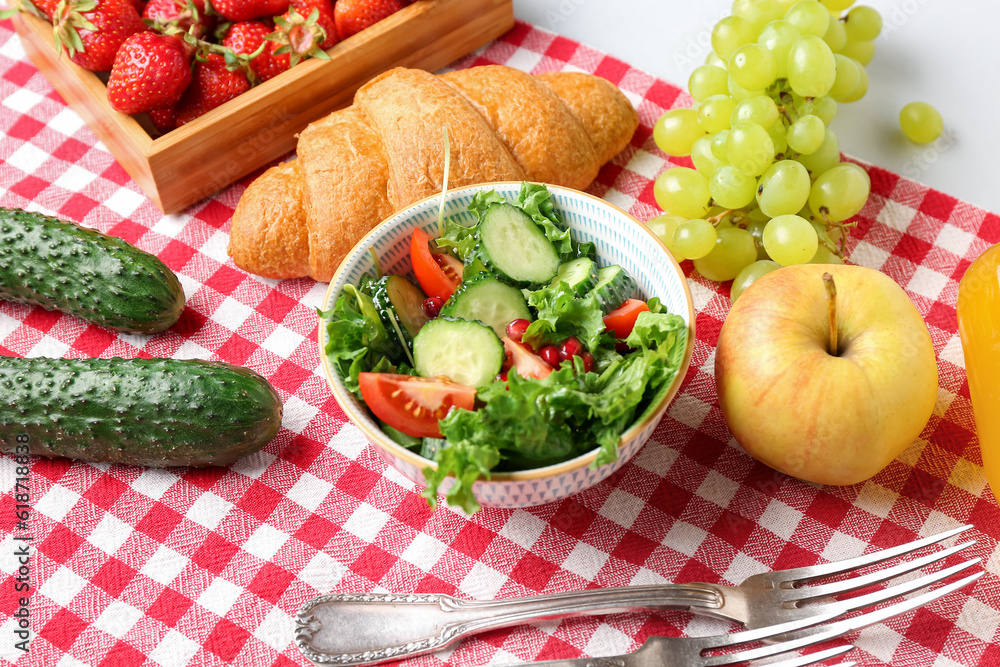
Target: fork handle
x: 357, y: 628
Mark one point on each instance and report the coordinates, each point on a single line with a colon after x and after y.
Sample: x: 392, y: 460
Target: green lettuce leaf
x: 562, y: 314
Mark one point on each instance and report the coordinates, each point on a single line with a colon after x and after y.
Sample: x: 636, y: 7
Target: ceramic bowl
x: 620, y: 239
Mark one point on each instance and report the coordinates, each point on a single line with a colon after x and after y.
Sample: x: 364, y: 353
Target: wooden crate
x: 183, y: 166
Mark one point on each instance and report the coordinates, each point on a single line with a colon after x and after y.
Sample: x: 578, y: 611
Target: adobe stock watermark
x: 22, y: 545
x: 915, y: 167
x: 899, y: 15
x: 563, y: 11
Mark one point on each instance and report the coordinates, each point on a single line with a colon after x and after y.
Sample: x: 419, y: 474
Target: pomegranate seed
x: 516, y: 329
x: 550, y: 355
x: 502, y: 377
x: 432, y: 306
x: 571, y: 347
x: 588, y: 362
x: 508, y: 360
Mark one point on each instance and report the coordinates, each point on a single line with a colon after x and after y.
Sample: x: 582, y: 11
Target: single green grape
x: 739, y: 93
x: 664, y: 227
x: 704, y: 160
x: 757, y: 13
x: 714, y: 60
x: 753, y: 67
x: 790, y: 239
x: 863, y: 51
x: 761, y: 110
x: 778, y: 138
x: 812, y: 68
x: 715, y: 112
x: 778, y: 38
x: 749, y: 275
x: 732, y: 188
x: 750, y: 148
x: 806, y: 134
x: 840, y: 192
x: 837, y: 5
x: 676, y: 131
x: 862, y: 88
x: 823, y: 158
x: 734, y: 249
x: 921, y: 122
x: 694, y: 239
x: 682, y: 191
x: 731, y: 33
x: 756, y: 229
x: 836, y: 35
x: 848, y: 77
x: 810, y: 17
x: 863, y: 24
x: 783, y: 189
x: 719, y: 146
x: 825, y: 256
x: 708, y: 80
x: 825, y: 108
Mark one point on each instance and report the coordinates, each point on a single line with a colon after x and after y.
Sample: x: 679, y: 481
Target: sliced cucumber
x: 462, y: 351
x: 579, y: 274
x: 396, y: 296
x: 515, y: 248
x: 614, y: 285
x: 487, y: 300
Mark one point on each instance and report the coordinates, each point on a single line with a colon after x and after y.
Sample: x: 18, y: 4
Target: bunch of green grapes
x: 768, y: 188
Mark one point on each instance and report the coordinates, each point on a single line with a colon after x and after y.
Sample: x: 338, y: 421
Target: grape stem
x: 719, y: 217
x: 831, y: 302
x: 839, y: 248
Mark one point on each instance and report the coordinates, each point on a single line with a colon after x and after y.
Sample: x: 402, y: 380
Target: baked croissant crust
x: 357, y: 166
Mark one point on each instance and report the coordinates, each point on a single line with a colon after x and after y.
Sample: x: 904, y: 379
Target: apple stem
x: 831, y: 300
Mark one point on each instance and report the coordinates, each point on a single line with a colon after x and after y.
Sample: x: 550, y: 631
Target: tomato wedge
x: 437, y: 272
x: 621, y: 320
x: 413, y: 404
x: 525, y: 362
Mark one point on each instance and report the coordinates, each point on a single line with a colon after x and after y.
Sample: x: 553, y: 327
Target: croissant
x: 357, y: 166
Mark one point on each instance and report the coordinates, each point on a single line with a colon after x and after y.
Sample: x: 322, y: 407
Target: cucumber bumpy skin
x: 61, y: 266
x: 148, y: 412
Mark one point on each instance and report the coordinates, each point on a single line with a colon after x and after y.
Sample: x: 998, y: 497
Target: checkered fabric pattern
x: 181, y: 567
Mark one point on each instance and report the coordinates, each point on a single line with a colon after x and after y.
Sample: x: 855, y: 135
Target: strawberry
x: 43, y: 9
x: 324, y: 19
x: 297, y: 37
x: 164, y: 119
x: 245, y: 10
x: 248, y: 38
x: 92, y: 30
x: 353, y: 16
x: 212, y: 84
x: 151, y: 71
x: 179, y: 15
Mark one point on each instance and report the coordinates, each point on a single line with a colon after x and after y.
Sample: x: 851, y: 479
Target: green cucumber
x: 61, y: 266
x: 579, y: 274
x: 396, y: 298
x: 614, y: 286
x: 487, y: 300
x: 515, y: 248
x: 465, y: 352
x: 149, y: 412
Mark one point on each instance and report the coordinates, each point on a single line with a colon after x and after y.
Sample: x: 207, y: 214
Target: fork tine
x: 808, y: 573
x: 819, y: 656
x: 897, y: 590
x: 820, y: 633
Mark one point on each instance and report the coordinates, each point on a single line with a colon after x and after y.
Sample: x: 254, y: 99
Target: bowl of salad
x: 507, y: 344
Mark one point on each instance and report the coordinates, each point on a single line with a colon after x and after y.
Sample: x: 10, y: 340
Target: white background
x: 946, y: 52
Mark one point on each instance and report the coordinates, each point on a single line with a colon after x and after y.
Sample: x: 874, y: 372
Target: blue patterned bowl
x: 620, y: 239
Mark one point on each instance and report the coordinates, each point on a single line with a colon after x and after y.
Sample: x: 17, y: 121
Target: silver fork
x: 803, y: 633
x: 358, y: 628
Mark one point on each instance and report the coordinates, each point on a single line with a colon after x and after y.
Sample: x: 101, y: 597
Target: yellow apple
x: 831, y: 418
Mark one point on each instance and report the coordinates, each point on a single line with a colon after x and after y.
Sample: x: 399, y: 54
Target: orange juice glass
x: 979, y: 327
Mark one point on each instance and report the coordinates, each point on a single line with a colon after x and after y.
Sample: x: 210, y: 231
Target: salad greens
x: 523, y: 422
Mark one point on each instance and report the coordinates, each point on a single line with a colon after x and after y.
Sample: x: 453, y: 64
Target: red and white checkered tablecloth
x: 183, y: 567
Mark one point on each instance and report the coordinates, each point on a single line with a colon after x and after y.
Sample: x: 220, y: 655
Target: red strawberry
x: 246, y: 37
x: 297, y: 37
x: 353, y: 16
x: 184, y: 15
x: 212, y: 84
x: 164, y: 119
x: 325, y: 20
x: 151, y: 71
x: 40, y: 8
x: 244, y: 10
x: 92, y: 30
